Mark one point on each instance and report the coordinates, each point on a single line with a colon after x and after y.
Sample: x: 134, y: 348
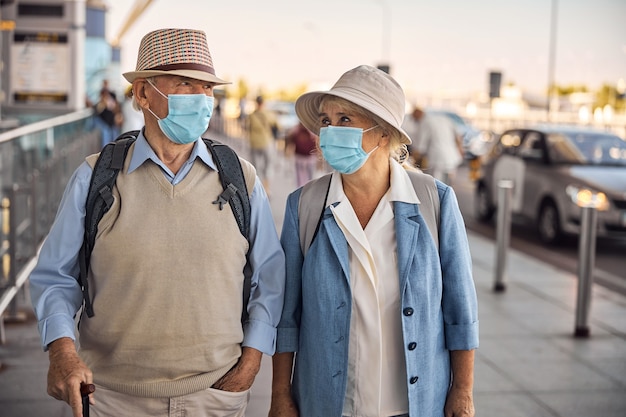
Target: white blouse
x: 376, y: 365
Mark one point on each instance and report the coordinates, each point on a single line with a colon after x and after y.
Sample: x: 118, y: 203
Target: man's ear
x: 139, y: 90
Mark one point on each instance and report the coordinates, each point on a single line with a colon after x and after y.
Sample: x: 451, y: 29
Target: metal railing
x: 36, y: 162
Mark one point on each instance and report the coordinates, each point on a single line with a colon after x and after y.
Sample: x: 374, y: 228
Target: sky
x: 432, y: 46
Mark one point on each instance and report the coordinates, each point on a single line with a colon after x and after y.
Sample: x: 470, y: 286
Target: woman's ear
x: 386, y: 137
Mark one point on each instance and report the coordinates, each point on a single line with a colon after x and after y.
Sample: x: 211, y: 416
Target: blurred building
x: 55, y: 56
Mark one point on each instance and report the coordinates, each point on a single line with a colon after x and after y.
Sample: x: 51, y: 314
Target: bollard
x: 586, y: 261
x: 503, y: 232
x: 5, y: 259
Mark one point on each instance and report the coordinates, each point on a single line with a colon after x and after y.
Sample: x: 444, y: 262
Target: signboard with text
x: 40, y: 70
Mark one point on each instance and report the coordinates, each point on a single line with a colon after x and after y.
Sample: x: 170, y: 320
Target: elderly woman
x: 380, y: 310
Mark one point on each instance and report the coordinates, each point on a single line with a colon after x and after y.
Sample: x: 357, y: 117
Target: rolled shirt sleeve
x: 268, y: 279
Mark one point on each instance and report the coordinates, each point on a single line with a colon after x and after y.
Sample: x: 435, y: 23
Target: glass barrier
x: 36, y: 162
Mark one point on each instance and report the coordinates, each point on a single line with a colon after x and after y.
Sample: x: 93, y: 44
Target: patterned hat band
x: 172, y: 67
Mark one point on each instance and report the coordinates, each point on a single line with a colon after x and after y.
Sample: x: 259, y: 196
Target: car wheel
x: 548, y: 224
x: 483, y: 208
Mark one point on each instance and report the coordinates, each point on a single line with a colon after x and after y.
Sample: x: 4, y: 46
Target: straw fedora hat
x: 365, y: 86
x: 183, y: 52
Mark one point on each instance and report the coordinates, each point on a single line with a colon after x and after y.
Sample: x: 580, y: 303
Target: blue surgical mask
x: 342, y: 147
x: 188, y: 116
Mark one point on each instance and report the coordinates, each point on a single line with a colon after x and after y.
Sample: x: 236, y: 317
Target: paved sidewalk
x: 529, y: 363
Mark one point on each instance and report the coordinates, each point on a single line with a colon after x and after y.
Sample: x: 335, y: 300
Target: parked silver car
x: 556, y: 171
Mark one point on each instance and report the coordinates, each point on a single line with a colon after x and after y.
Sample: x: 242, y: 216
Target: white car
x: 556, y: 171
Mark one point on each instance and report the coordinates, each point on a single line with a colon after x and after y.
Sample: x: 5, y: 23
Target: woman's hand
x: 460, y: 403
x: 283, y: 406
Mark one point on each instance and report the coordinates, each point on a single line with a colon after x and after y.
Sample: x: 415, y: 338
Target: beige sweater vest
x: 167, y: 281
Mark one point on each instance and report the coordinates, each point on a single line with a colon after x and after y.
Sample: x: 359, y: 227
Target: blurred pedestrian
x: 302, y: 144
x: 132, y: 117
x: 436, y: 146
x: 166, y: 273
x: 261, y: 127
x: 242, y: 111
x: 108, y: 114
x: 380, y: 312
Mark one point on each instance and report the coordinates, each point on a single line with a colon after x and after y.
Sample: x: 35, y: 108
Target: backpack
x: 315, y: 191
x: 100, y: 199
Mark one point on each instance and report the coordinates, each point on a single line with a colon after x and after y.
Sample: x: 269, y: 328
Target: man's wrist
x: 63, y: 344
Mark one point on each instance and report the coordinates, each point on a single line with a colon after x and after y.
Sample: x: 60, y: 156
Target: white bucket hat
x: 366, y: 86
x: 183, y: 52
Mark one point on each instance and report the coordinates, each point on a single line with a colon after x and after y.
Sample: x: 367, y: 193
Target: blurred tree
x: 608, y: 94
x: 242, y: 88
x: 569, y: 89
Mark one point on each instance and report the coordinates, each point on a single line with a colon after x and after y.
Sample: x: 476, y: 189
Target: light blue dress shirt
x: 56, y: 294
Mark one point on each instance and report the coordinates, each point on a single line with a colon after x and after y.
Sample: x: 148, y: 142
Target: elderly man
x: 166, y: 270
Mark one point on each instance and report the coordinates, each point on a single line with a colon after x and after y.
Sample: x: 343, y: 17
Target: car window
x: 532, y: 146
x: 508, y: 143
x: 563, y: 151
x: 587, y: 148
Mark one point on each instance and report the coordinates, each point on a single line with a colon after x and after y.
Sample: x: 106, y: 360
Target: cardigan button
x: 412, y: 346
x: 408, y: 311
x: 413, y: 379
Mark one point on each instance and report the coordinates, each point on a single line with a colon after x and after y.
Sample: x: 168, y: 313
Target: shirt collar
x: 401, y: 188
x: 143, y: 152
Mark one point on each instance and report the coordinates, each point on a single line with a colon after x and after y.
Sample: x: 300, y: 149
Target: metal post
x: 13, y: 225
x: 586, y: 261
x: 503, y: 232
x: 5, y: 205
x: 551, y: 58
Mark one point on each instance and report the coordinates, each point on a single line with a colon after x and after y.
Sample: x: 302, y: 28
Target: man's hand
x: 241, y: 376
x: 67, y: 371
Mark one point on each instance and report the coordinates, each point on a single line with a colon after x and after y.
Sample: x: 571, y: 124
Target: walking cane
x: 85, y: 390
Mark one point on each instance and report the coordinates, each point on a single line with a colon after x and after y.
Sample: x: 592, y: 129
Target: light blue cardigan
x: 439, y: 307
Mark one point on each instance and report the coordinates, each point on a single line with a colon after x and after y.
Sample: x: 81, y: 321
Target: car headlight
x: 478, y: 144
x: 584, y: 197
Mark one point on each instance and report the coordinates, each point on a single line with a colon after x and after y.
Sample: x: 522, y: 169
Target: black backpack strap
x: 235, y: 191
x: 99, y: 201
x: 236, y: 194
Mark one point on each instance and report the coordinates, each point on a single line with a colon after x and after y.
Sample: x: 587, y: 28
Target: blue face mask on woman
x: 342, y: 147
x: 187, y: 118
